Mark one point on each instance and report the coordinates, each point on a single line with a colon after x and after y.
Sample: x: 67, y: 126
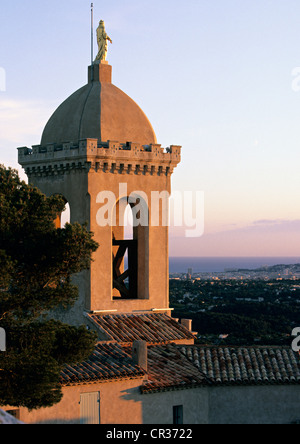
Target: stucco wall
x: 158, y: 407
x: 254, y: 405
x: 120, y: 403
x: 226, y: 405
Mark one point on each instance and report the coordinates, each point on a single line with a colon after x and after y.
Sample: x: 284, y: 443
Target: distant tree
x: 37, y: 262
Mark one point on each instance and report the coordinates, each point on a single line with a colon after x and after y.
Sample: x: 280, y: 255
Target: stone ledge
x: 110, y: 157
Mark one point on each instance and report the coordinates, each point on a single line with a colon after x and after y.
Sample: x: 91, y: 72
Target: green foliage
x: 217, y: 308
x: 30, y: 370
x: 37, y: 264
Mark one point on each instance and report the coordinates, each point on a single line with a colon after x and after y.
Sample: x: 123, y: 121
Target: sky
x: 220, y: 78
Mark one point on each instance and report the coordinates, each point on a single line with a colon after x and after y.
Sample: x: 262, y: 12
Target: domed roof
x: 99, y: 110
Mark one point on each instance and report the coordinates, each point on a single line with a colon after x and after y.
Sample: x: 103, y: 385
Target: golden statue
x: 102, y: 39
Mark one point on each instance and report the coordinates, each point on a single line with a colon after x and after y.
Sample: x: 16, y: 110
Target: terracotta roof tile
x: 108, y: 362
x: 169, y: 369
x: 176, y: 367
x: 245, y: 365
x: 152, y: 328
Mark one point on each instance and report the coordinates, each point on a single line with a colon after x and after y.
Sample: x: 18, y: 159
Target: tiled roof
x: 177, y: 367
x: 156, y: 328
x: 245, y: 365
x: 108, y: 362
x: 169, y: 369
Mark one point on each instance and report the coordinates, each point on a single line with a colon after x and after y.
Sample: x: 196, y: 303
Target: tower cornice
x: 111, y: 157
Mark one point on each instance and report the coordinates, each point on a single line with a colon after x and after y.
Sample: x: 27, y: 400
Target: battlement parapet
x: 112, y: 156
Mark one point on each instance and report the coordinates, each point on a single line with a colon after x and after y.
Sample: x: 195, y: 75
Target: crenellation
x: 66, y: 147
x: 110, y: 157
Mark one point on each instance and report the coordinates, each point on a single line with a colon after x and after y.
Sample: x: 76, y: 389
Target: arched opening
x: 128, y: 223
x: 64, y: 217
x: 128, y: 231
x: 129, y: 254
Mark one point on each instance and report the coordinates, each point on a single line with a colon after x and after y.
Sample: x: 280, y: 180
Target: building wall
x: 226, y: 405
x: 73, y: 187
x: 254, y: 405
x: 158, y: 407
x: 153, y: 277
x: 120, y: 403
x: 123, y: 403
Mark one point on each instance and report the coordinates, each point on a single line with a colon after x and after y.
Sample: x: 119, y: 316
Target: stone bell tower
x: 100, y: 152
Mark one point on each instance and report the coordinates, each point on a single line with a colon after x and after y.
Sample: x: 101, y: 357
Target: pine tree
x: 37, y: 262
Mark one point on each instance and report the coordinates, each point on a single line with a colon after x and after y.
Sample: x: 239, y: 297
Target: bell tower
x: 100, y: 152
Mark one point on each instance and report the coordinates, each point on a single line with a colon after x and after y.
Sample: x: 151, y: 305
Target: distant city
x: 240, y: 306
x: 266, y: 273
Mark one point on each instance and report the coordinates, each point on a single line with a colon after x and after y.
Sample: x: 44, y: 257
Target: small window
x: 14, y: 413
x: 178, y: 414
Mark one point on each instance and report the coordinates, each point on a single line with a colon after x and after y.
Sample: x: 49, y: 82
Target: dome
x: 99, y: 110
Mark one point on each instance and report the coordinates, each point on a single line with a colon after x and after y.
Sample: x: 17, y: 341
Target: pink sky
x: 262, y: 238
x: 225, y: 92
